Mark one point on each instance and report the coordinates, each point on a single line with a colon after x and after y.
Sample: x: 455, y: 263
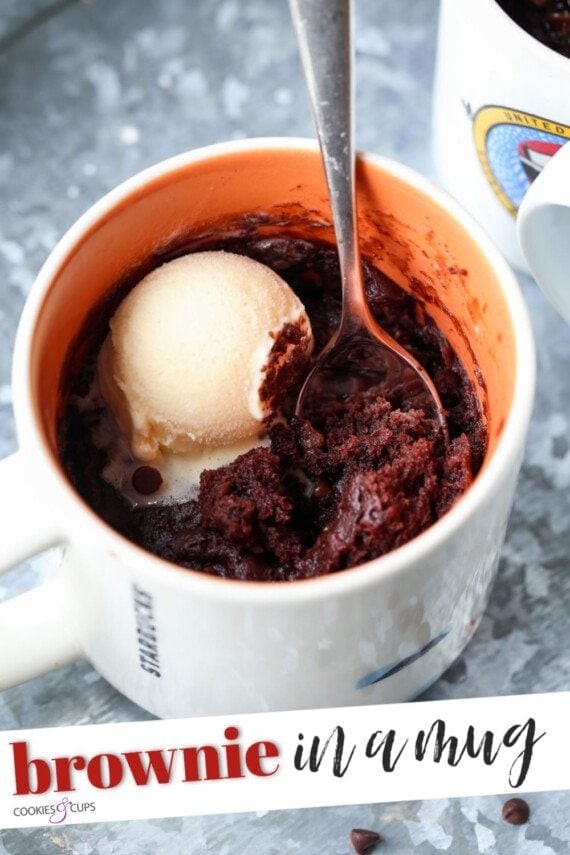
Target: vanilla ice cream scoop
x: 201, y: 352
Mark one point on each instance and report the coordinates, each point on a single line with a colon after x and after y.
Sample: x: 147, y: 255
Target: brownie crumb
x: 364, y: 841
x: 516, y: 811
x: 286, y: 364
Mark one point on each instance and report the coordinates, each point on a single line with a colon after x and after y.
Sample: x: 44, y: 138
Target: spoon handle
x: 324, y: 35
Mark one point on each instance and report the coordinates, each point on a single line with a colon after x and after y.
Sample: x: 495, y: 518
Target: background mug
x: 501, y: 114
x: 180, y: 642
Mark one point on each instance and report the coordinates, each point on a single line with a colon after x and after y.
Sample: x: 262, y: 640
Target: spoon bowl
x: 361, y: 364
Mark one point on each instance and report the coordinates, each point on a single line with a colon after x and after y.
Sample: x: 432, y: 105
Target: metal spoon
x: 360, y: 355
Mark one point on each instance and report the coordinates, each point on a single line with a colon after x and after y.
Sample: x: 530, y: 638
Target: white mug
x: 501, y: 113
x: 181, y: 642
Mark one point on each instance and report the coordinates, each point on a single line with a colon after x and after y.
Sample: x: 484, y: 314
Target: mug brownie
x: 314, y: 496
x: 545, y: 20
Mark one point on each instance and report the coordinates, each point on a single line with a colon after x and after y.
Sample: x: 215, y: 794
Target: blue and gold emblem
x: 513, y: 148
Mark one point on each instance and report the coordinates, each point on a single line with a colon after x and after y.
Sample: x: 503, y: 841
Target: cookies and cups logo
x: 55, y: 813
x: 513, y: 148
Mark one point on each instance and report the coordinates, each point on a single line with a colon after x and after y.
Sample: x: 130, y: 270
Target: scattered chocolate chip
x: 364, y: 841
x: 516, y: 811
x: 146, y: 480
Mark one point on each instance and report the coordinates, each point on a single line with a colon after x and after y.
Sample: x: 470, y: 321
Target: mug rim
x: 399, y: 560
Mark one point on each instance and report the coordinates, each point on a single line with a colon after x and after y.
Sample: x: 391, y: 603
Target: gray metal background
x: 91, y: 92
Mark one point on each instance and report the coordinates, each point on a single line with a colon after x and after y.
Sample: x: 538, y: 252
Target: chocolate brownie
x: 546, y: 20
x: 324, y: 495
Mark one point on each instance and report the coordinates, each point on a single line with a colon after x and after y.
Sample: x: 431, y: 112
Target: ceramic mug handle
x: 27, y: 523
x: 33, y: 627
x: 543, y: 226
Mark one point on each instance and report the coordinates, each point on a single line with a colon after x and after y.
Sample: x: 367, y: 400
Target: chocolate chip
x: 516, y: 811
x: 322, y: 489
x: 364, y: 841
x: 146, y: 480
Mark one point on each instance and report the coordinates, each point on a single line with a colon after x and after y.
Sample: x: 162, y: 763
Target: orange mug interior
x: 403, y: 232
